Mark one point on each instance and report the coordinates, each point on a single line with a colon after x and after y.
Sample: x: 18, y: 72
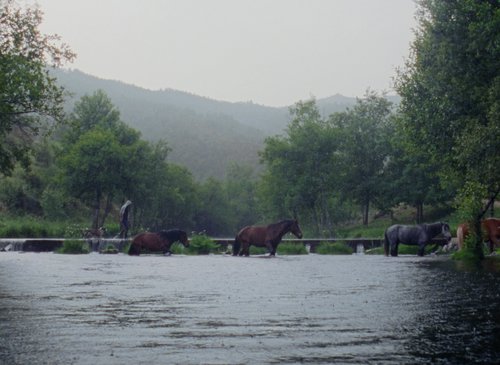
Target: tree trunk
x: 366, y: 209
x: 97, y: 208
x: 420, y: 213
x: 478, y: 246
x: 107, y: 208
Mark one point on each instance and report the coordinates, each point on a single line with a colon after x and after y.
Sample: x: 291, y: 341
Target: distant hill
x: 205, y: 135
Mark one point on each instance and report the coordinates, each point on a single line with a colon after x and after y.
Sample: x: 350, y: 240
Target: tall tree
x: 410, y: 176
x: 365, y: 148
x: 302, y: 168
x: 450, y: 90
x: 100, y: 155
x: 240, y: 188
x: 28, y: 94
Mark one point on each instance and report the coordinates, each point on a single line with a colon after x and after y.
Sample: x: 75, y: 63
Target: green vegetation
x: 30, y: 227
x: 335, y: 248
x: 28, y: 95
x: 201, y: 244
x: 285, y: 248
x: 437, y: 150
x: 450, y: 107
x: 74, y: 247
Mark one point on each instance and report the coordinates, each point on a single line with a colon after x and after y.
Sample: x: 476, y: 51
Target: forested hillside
x: 205, y: 135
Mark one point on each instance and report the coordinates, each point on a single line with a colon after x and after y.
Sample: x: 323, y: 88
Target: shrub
x: 335, y: 248
x: 176, y: 248
x: 291, y: 249
x: 201, y: 244
x: 29, y: 227
x: 73, y: 247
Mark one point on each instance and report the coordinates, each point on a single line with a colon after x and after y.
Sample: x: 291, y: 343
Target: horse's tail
x: 460, y: 236
x: 236, y: 246
x: 386, y: 244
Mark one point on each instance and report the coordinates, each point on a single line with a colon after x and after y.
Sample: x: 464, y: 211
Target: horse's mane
x: 284, y: 221
x: 171, y: 233
x: 283, y: 224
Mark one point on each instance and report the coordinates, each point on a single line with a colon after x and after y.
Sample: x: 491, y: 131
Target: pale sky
x: 270, y: 52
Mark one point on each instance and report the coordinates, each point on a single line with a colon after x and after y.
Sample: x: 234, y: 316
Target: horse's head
x: 295, y: 229
x: 445, y: 231
x: 183, y: 238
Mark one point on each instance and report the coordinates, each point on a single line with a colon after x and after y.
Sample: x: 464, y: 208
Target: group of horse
x: 423, y: 234
x: 270, y: 236
x: 263, y: 236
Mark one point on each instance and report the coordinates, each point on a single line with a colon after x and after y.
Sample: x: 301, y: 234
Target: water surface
x: 116, y: 309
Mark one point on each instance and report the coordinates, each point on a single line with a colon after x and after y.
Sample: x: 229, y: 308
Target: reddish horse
x: 491, y: 233
x: 158, y: 241
x: 264, y: 236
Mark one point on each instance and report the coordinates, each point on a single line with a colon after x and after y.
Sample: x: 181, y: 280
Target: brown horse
x: 264, y: 236
x: 157, y: 241
x: 491, y: 233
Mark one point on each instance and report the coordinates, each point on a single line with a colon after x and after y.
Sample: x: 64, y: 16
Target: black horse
x: 157, y: 241
x: 413, y: 235
x: 264, y: 236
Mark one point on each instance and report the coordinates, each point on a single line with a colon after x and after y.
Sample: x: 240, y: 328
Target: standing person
x: 124, y: 222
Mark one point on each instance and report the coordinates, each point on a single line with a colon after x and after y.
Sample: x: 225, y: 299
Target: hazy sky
x: 271, y: 52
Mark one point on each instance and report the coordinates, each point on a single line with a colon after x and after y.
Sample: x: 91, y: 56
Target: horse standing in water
x: 491, y: 233
x: 157, y: 241
x: 264, y: 236
x: 413, y: 235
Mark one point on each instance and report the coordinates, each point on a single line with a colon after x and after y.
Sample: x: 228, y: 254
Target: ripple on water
x: 215, y: 309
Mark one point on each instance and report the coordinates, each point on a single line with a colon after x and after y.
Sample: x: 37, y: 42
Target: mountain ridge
x: 206, y: 135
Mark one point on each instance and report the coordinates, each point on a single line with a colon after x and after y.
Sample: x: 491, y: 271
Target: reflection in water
x: 99, y: 309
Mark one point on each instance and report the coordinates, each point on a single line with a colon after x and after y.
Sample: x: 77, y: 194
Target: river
x: 359, y: 309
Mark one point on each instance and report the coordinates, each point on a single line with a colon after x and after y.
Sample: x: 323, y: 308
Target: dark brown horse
x: 157, y: 241
x: 491, y: 233
x: 264, y: 236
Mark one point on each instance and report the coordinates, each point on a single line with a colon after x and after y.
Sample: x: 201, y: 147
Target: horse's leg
x: 274, y: 249
x: 386, y: 244
x: 491, y: 243
x: 271, y: 248
x: 421, y: 249
x: 134, y: 249
x: 166, y: 250
x: 246, y: 249
x: 236, y: 246
x: 394, y: 248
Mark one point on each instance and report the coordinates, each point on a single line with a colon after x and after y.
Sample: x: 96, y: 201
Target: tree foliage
x: 27, y: 92
x: 365, y: 148
x: 450, y: 92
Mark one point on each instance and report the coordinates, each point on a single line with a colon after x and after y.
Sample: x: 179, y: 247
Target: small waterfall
x: 360, y: 249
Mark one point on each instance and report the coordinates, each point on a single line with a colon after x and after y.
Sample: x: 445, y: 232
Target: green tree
x: 364, y: 148
x: 410, y: 176
x: 93, y: 171
x: 28, y: 95
x: 92, y: 111
x: 213, y: 209
x: 302, y: 170
x: 240, y: 189
x: 450, y: 90
x: 100, y: 155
